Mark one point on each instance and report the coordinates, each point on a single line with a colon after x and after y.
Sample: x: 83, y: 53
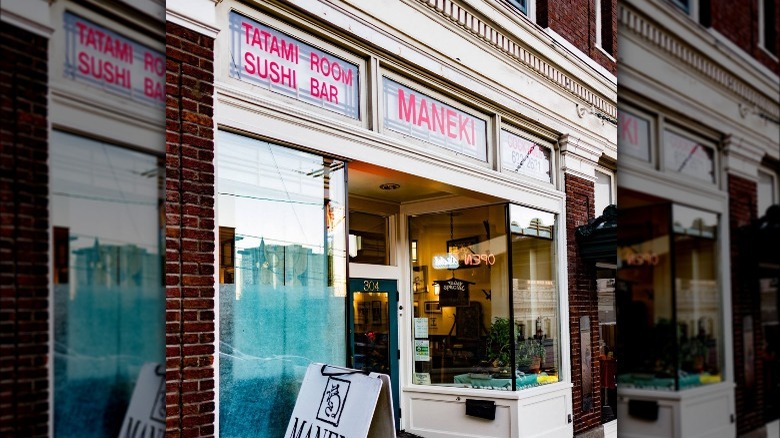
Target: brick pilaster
x: 189, y: 233
x: 24, y: 234
x: 583, y: 301
x: 745, y: 301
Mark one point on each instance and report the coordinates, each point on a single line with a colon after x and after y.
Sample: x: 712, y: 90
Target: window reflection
x: 282, y: 290
x: 489, y: 324
x: 108, y: 290
x: 669, y: 296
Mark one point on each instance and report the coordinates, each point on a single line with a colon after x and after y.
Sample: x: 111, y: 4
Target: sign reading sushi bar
x: 102, y: 58
x: 286, y: 65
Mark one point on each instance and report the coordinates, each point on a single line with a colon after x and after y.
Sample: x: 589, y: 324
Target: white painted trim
x: 678, y: 28
x: 721, y: 110
x: 728, y: 47
x: 30, y: 15
x: 741, y: 158
x: 217, y: 308
x: 294, y: 126
x: 578, y: 157
x: 80, y: 111
x: 362, y: 270
x: 582, y: 56
x: 773, y: 428
x: 152, y: 8
x: 518, y: 90
x: 191, y: 23
x: 611, y: 429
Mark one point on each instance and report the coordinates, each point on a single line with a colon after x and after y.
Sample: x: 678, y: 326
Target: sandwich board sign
x: 145, y: 417
x: 337, y: 402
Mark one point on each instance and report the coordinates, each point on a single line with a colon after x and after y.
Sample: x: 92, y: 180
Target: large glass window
x: 535, y: 296
x: 109, y: 302
x: 485, y: 317
x: 282, y: 290
x: 669, y: 298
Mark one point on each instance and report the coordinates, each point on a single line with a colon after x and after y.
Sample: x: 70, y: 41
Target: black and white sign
x: 145, y: 417
x: 337, y: 402
x: 453, y: 292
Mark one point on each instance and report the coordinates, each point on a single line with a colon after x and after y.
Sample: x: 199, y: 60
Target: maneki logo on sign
x: 412, y: 113
x: 633, y: 136
x: 283, y: 64
x: 105, y: 59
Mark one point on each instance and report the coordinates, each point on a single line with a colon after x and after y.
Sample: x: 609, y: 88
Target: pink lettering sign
x: 105, y: 59
x: 633, y: 136
x: 413, y: 113
x: 286, y: 65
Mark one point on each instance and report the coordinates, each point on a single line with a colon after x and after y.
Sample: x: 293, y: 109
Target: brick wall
x: 745, y: 301
x: 738, y: 21
x: 575, y: 20
x: 24, y: 234
x: 189, y: 233
x: 583, y: 301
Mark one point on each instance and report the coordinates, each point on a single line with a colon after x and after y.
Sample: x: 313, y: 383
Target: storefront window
x: 534, y: 296
x: 109, y: 302
x: 469, y: 330
x: 282, y: 277
x: 668, y: 293
x: 697, y: 296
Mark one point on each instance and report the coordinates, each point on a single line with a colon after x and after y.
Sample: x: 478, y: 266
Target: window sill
x: 600, y: 49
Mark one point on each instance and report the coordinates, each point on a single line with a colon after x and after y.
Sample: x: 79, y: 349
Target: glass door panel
x: 374, y: 330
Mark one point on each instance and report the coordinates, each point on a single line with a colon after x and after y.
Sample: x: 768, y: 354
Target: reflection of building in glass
x: 699, y: 125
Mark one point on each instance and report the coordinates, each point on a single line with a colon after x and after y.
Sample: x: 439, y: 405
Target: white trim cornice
x: 30, y: 15
x: 509, y: 44
x: 741, y: 158
x: 697, y: 51
x: 578, y: 157
x: 197, y: 15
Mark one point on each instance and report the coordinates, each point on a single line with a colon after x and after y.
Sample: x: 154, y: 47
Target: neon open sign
x: 478, y: 259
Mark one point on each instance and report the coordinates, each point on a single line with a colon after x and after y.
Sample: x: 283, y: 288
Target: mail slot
x: 481, y: 409
x: 643, y: 409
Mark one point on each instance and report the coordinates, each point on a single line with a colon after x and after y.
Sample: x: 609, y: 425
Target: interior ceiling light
x: 389, y: 186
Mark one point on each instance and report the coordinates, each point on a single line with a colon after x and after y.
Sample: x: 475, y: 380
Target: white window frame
x: 680, y: 129
x: 652, y: 119
x: 693, y: 8
x: 762, y: 22
x: 612, y: 187
x: 599, y: 25
x: 775, y: 184
x: 530, y: 9
x: 542, y: 141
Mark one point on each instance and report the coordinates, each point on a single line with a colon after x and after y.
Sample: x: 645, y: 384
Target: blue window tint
x: 282, y: 278
x: 109, y: 301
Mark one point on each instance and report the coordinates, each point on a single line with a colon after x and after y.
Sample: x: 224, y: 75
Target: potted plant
x: 497, y: 347
x: 530, y: 355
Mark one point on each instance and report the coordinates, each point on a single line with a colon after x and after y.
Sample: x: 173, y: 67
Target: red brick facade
x: 575, y: 20
x: 189, y: 233
x: 745, y: 301
x: 738, y: 21
x: 583, y: 301
x: 24, y: 234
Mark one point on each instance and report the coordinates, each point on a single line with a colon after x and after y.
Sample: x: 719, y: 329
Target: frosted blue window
x: 109, y: 301
x: 282, y: 276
